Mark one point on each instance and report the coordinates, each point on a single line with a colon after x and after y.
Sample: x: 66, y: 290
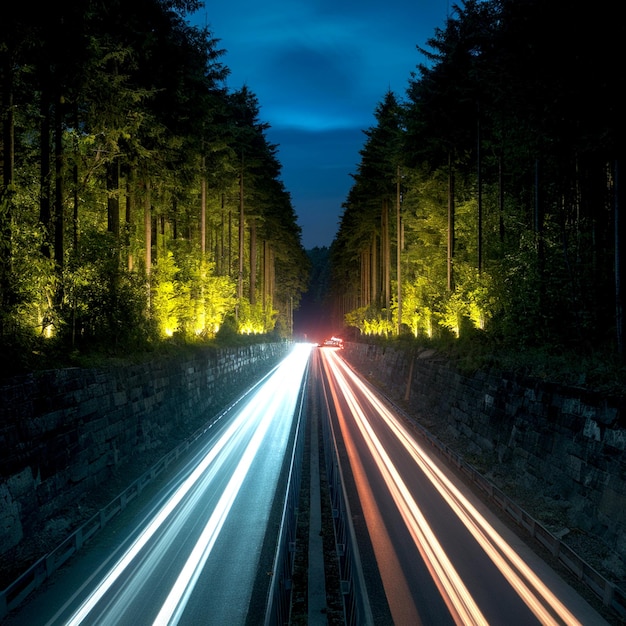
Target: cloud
x: 313, y: 70
x: 319, y: 68
x: 312, y: 87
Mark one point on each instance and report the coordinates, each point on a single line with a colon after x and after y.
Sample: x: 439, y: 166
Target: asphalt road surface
x: 440, y: 555
x: 192, y: 554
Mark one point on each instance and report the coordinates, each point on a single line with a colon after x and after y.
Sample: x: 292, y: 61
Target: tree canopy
x: 139, y: 198
x: 506, y: 154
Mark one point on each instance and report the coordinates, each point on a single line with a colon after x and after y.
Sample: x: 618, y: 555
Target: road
x: 440, y: 555
x: 192, y: 554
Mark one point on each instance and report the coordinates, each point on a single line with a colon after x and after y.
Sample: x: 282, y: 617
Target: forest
x: 140, y: 198
x: 141, y: 201
x: 487, y: 202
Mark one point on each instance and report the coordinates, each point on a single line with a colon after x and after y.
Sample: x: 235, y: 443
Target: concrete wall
x: 562, y: 448
x: 63, y: 432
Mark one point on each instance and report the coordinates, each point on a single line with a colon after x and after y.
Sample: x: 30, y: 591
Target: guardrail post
x: 609, y: 592
x: 50, y: 565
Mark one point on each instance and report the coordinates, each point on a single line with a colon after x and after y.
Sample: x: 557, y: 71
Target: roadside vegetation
x: 486, y: 213
x: 141, y: 203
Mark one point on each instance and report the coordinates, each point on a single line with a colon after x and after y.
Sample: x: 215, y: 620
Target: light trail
x: 536, y: 595
x: 249, y: 427
x: 456, y: 596
x: 174, y: 605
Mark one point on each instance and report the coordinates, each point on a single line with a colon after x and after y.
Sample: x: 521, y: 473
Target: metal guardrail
x: 357, y: 611
x: 41, y: 570
x: 280, y: 596
x: 612, y: 596
x: 278, y: 605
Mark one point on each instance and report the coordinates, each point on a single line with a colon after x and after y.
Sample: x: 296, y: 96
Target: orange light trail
x: 536, y: 595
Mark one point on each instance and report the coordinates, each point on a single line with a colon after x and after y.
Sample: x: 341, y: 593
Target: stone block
x: 616, y: 438
x: 88, y: 407
x: 592, y: 430
x: 21, y: 483
x: 11, y: 532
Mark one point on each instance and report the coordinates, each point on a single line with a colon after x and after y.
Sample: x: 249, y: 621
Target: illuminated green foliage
x: 255, y: 319
x: 518, y: 238
x: 121, y: 222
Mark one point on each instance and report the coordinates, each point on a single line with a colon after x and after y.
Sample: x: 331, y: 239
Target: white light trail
x: 537, y: 596
x: 174, y: 605
x: 252, y: 422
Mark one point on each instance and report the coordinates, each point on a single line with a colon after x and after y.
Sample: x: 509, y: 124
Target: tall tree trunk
x: 241, y: 236
x: 75, y: 202
x: 501, y: 196
x: 75, y: 212
x: 59, y: 211
x: 147, y: 228
x: 450, y: 224
x: 374, y: 266
x: 398, y: 249
x: 620, y: 259
x: 366, y: 277
x: 386, y: 256
x: 174, y: 221
x: 230, y: 241
x: 253, y: 268
x: 538, y: 228
x: 265, y: 285
x: 161, y: 242
x: 45, y: 210
x: 8, y: 165
x: 381, y: 258
x: 154, y: 226
x: 130, y: 217
x: 221, y: 256
x: 203, y: 207
x: 113, y: 200
x: 479, y: 189
x: 268, y: 276
x: 272, y: 274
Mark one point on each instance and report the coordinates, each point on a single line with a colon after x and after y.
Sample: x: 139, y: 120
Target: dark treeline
x: 490, y: 197
x: 139, y: 197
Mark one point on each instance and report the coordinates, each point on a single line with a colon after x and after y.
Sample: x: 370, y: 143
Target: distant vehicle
x: 333, y: 342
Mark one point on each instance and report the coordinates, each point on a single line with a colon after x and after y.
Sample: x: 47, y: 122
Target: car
x: 333, y: 342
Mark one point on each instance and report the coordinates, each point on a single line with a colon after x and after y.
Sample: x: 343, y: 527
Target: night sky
x: 319, y: 68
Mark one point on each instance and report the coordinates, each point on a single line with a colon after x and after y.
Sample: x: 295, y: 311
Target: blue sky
x: 319, y: 68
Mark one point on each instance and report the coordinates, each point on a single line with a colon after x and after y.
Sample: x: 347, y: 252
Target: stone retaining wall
x: 563, y: 445
x: 62, y: 432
